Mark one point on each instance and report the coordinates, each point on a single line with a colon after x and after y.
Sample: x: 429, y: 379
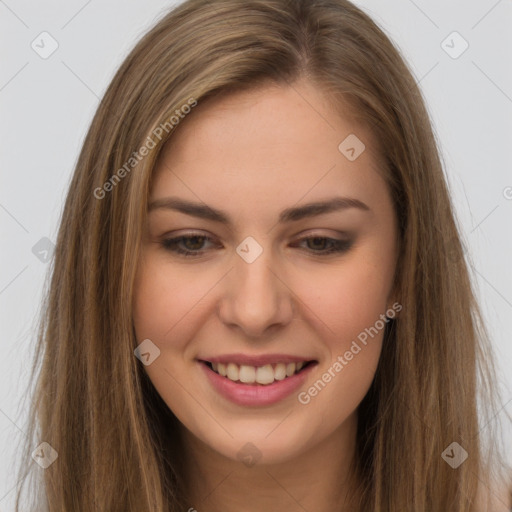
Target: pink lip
x: 260, y: 360
x: 256, y: 394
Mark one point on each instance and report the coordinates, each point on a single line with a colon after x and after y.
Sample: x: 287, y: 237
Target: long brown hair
x: 117, y: 442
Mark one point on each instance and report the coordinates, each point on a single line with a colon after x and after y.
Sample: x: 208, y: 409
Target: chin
x: 269, y: 444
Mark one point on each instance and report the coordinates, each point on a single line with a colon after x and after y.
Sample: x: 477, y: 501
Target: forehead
x: 270, y: 146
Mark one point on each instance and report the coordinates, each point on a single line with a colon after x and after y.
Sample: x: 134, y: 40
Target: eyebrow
x: 204, y: 211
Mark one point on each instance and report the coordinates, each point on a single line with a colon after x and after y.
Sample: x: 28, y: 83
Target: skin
x: 252, y: 155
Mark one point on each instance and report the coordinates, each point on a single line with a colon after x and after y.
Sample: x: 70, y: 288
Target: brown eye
x: 193, y: 243
x: 317, y: 243
x: 187, y: 245
x: 324, y: 245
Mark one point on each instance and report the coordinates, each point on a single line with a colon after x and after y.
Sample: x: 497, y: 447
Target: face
x: 242, y: 274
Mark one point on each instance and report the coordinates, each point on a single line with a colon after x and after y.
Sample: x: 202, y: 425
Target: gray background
x: 47, y: 105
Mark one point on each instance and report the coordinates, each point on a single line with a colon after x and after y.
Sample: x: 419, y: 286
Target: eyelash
x: 171, y: 244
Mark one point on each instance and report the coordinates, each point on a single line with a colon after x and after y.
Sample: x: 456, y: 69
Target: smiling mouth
x: 258, y: 375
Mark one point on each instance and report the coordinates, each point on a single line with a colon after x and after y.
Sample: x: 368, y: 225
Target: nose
x: 256, y: 298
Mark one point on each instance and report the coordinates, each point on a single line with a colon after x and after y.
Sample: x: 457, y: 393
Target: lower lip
x: 256, y: 394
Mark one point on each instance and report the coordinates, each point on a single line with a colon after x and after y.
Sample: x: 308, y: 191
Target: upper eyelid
x: 214, y: 241
x: 310, y: 233
x: 189, y: 235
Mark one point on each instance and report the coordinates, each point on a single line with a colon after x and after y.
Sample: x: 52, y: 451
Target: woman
x: 259, y: 297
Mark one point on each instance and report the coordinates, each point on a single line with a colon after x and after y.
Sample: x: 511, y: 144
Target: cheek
x: 154, y: 306
x: 347, y: 299
x: 165, y: 301
x: 347, y: 305
x: 351, y: 303
x: 165, y: 306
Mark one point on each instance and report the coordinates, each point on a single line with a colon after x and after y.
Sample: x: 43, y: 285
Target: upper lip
x: 260, y: 360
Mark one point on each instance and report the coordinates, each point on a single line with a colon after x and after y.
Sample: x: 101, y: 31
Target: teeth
x: 247, y: 374
x: 280, y: 371
x: 233, y: 372
x: 221, y: 369
x: 266, y: 374
x: 290, y: 369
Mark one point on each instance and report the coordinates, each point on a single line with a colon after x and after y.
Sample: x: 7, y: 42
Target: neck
x: 319, y: 478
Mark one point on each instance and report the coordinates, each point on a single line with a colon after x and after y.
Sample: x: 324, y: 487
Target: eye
x: 191, y: 244
x: 322, y: 245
